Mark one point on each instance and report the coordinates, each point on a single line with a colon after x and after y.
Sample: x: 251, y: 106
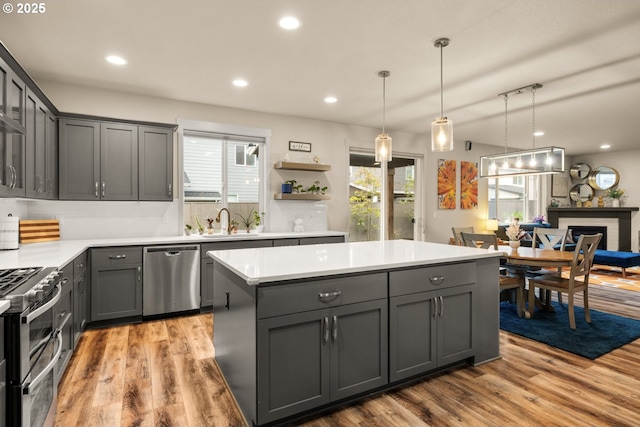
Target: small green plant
x: 188, y: 227
x: 615, y: 193
x: 248, y: 220
x: 200, y: 227
x: 257, y: 217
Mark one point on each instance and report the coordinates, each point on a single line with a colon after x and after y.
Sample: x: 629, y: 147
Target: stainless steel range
x: 32, y: 344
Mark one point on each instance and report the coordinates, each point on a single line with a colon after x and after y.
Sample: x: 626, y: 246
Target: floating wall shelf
x: 302, y: 166
x: 300, y: 196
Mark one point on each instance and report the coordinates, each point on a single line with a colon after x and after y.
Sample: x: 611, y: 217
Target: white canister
x: 9, y: 232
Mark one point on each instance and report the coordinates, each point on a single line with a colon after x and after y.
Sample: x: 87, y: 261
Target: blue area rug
x: 605, y: 333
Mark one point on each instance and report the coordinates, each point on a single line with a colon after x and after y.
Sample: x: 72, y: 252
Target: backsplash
x: 283, y: 213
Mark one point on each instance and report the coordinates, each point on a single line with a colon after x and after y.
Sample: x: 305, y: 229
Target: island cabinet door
x: 412, y: 335
x: 455, y: 328
x: 293, y: 364
x: 359, y: 350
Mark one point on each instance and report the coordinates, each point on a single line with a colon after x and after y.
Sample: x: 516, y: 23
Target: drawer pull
x: 329, y: 294
x: 436, y: 280
x: 123, y: 256
x: 226, y: 300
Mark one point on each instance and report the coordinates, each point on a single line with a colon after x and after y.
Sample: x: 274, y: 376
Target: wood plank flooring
x: 162, y: 373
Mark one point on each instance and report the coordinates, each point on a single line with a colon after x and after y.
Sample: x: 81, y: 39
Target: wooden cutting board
x: 39, y: 230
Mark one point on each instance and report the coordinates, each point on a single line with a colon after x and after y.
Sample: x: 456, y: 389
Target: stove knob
x: 34, y: 295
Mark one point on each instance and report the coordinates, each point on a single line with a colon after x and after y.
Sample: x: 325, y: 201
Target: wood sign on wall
x: 468, y: 185
x: 446, y: 184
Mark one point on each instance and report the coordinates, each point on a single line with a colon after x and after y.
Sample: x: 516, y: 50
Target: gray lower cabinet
x: 116, y: 283
x: 80, y: 296
x: 433, y: 327
x: 306, y: 360
x: 319, y: 240
x: 206, y: 264
x: 63, y: 312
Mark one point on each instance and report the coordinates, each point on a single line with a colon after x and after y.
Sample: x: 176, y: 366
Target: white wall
x: 330, y: 141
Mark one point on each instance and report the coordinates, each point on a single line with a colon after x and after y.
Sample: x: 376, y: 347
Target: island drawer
x: 431, y: 278
x: 299, y: 297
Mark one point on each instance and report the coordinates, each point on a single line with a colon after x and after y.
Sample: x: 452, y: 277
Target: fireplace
x: 578, y: 230
x: 617, y: 221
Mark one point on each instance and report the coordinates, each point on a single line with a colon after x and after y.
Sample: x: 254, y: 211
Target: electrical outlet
x: 165, y: 219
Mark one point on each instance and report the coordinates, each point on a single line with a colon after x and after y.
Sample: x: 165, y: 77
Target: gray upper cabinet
x: 118, y: 161
x: 79, y: 173
x: 102, y: 160
x: 155, y: 170
x: 41, y: 150
x: 12, y: 144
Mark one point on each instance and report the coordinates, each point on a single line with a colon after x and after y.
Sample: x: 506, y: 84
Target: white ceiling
x: 586, y: 54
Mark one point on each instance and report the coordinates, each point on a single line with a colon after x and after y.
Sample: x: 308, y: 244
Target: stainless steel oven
x: 32, y: 347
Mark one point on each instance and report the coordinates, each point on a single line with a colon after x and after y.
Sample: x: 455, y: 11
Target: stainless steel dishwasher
x: 171, y: 280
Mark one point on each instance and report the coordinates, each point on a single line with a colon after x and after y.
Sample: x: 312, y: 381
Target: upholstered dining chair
x: 580, y: 267
x: 485, y: 241
x: 457, y: 238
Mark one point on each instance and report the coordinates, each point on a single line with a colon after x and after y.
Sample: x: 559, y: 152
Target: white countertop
x: 61, y: 252
x: 4, y: 305
x: 264, y: 265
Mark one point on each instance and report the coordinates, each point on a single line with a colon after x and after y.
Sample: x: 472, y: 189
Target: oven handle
x: 37, y: 380
x: 45, y: 307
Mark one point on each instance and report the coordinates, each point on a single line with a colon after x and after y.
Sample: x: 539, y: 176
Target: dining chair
x: 580, y: 267
x: 456, y: 234
x: 507, y: 281
x: 549, y: 238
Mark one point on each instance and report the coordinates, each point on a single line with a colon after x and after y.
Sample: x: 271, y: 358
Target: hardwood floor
x: 162, y: 373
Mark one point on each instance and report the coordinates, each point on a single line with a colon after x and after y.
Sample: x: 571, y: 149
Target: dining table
x: 522, y: 259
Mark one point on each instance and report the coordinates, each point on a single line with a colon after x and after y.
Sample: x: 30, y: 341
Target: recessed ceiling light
x: 240, y: 83
x: 605, y: 146
x: 330, y: 99
x: 117, y: 60
x: 289, y: 23
x: 538, y: 133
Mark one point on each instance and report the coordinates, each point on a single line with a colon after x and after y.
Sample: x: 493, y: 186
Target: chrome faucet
x: 228, y: 219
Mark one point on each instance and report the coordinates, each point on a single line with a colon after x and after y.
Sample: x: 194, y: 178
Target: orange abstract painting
x: 468, y: 185
x: 446, y: 184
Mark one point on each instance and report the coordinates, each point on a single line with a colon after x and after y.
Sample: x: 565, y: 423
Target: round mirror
x: 603, y: 178
x: 580, y: 171
x: 581, y: 192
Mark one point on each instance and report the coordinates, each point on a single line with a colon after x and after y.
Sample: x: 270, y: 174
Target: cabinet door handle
x: 96, y: 188
x: 14, y: 177
x: 139, y: 274
x: 226, y: 300
x: 334, y: 329
x: 329, y: 294
x: 104, y: 189
x: 436, y: 280
x: 170, y: 190
x: 441, y: 306
x: 121, y: 256
x: 434, y: 307
x: 325, y: 329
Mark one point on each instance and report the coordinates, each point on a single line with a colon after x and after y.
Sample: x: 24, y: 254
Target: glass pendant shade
x: 383, y: 148
x: 442, y: 134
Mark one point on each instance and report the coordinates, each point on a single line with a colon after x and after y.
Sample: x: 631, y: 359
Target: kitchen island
x: 300, y: 329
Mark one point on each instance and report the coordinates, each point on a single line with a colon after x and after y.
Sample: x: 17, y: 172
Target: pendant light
x: 537, y: 161
x: 383, y: 141
x: 442, y: 128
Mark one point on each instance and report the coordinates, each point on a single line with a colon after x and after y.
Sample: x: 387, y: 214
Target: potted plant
x: 539, y: 219
x: 615, y: 194
x: 187, y: 229
x: 287, y: 187
x: 200, y: 227
x: 248, y: 220
x: 513, y: 233
x: 257, y: 220
x: 233, y: 226
x: 210, y: 225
